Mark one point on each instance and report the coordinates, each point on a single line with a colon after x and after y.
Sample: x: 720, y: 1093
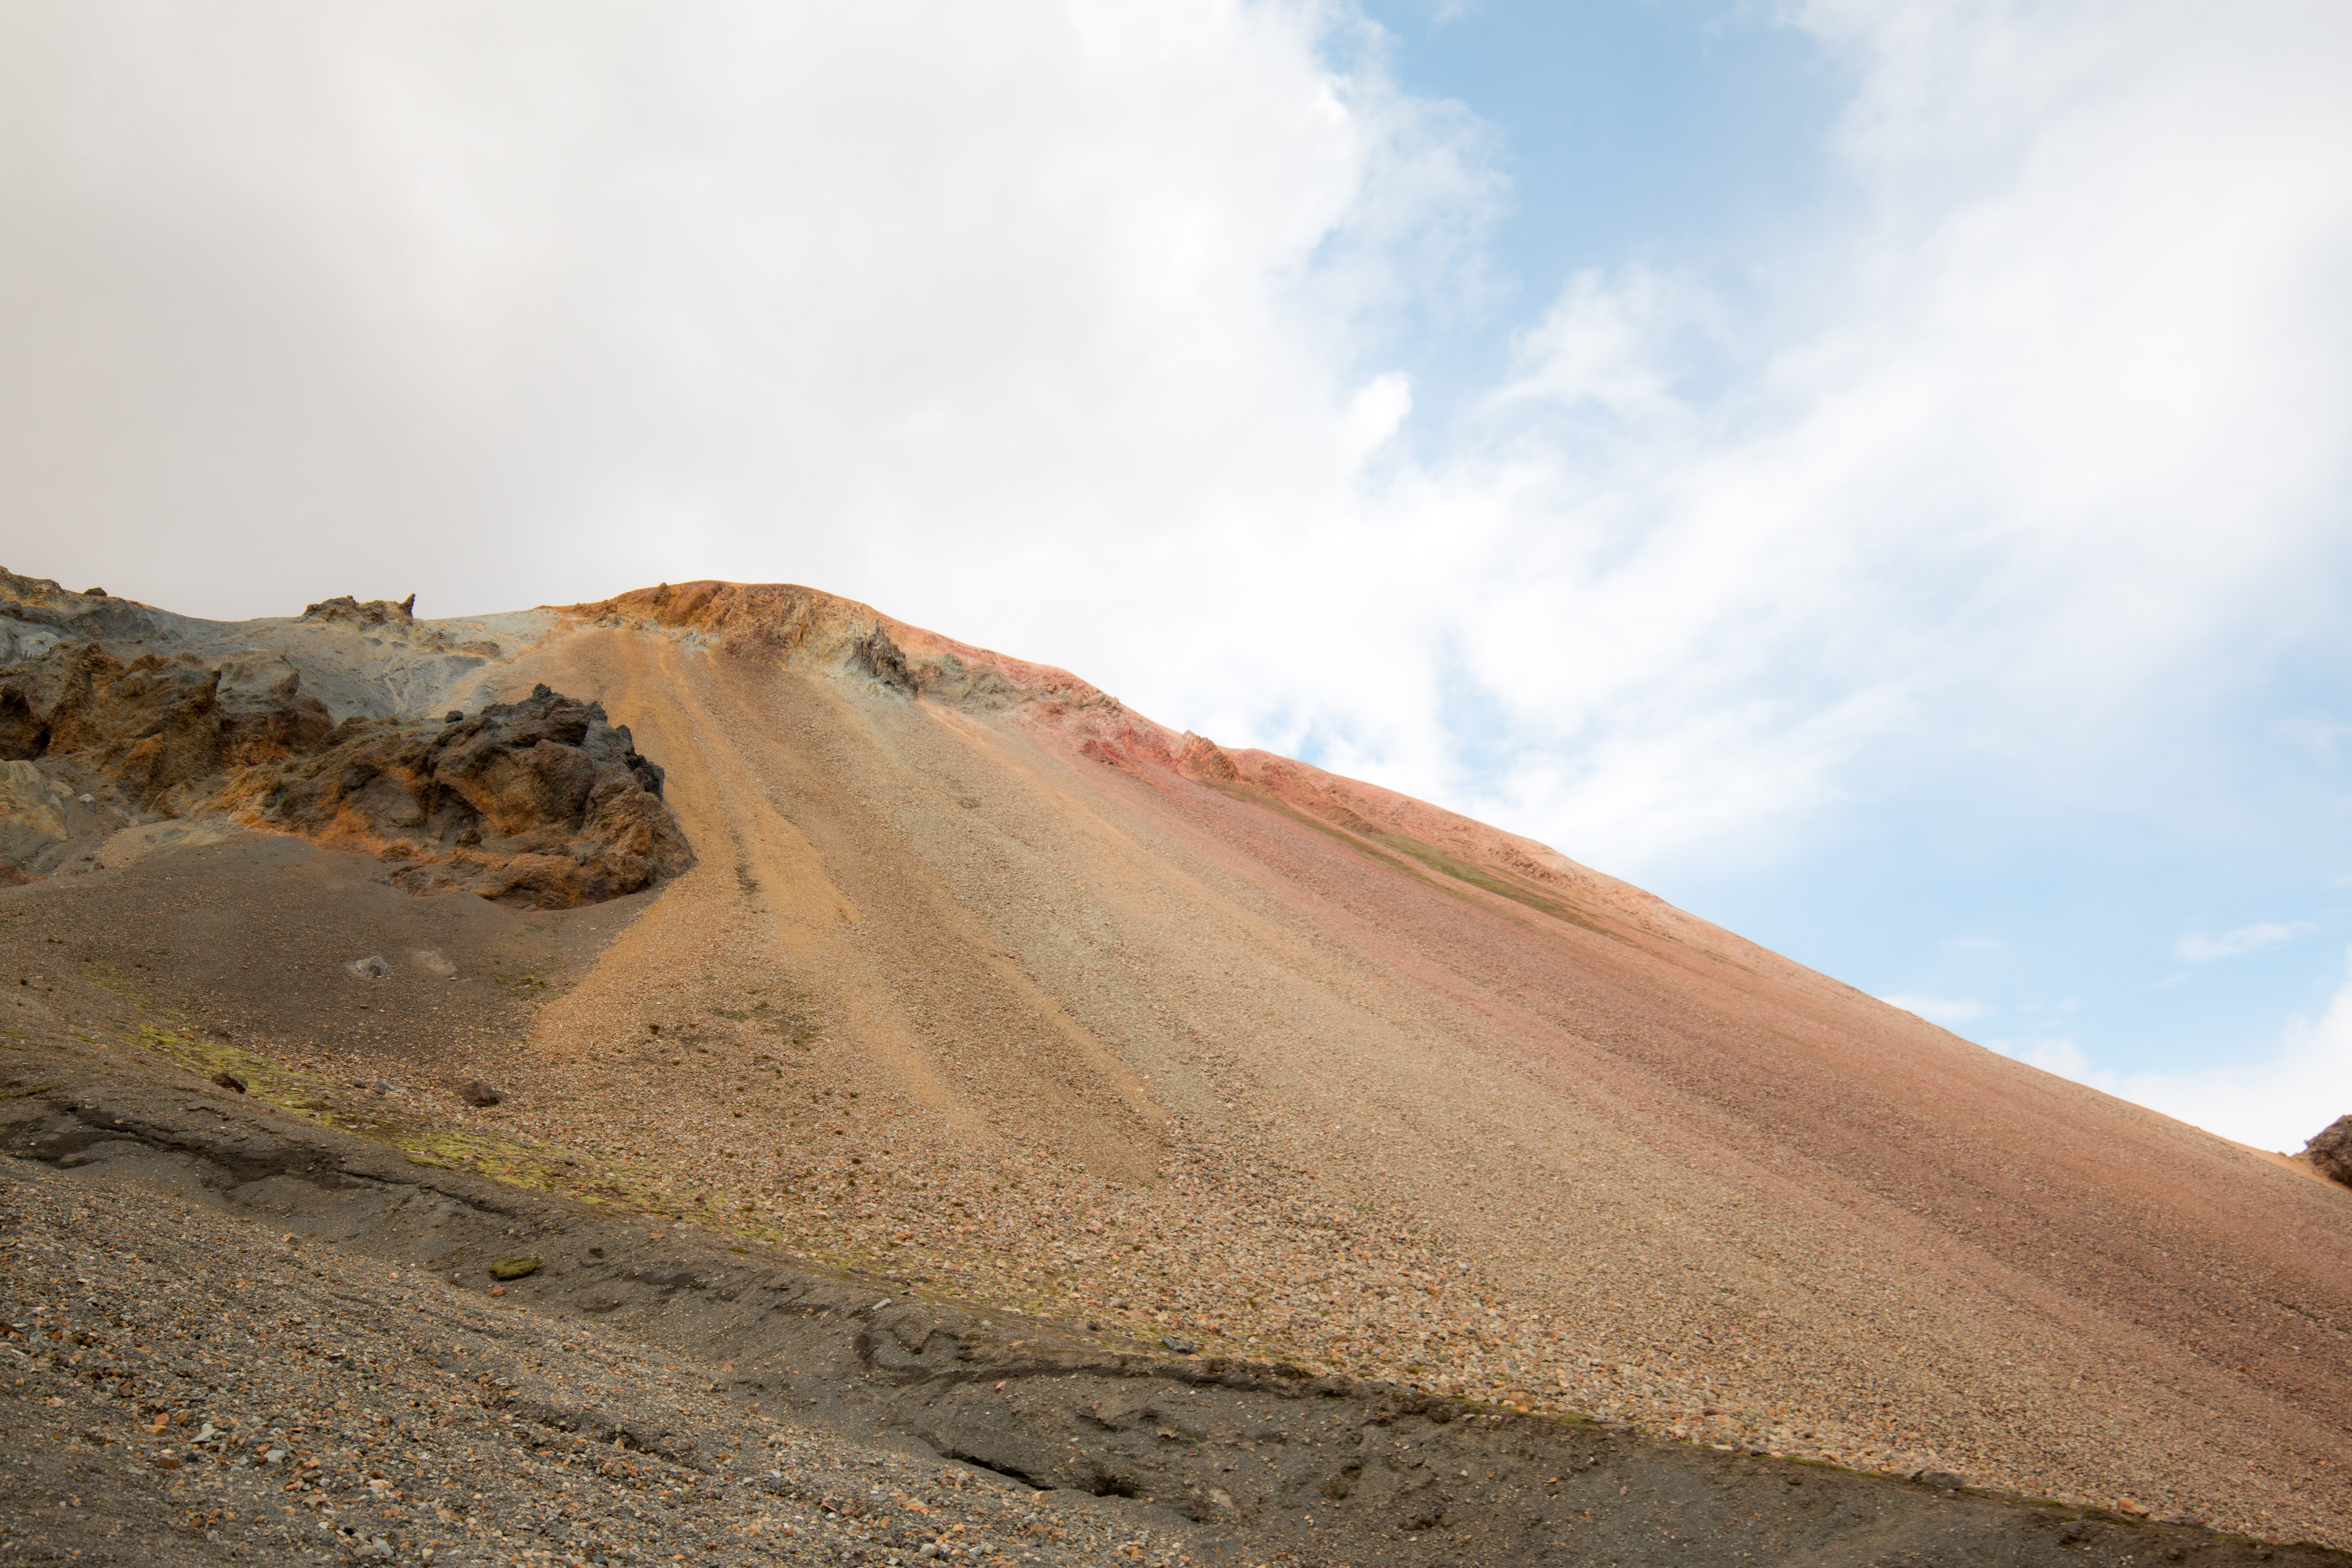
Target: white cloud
x: 960, y: 309
x: 2059, y: 1054
x: 1071, y: 328
x: 2205, y: 948
x: 1988, y: 481
x: 2276, y: 1097
x: 1941, y: 1010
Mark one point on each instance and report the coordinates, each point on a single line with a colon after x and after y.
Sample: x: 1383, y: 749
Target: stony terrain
x: 238, y: 1335
x: 984, y: 983
x: 185, y: 1388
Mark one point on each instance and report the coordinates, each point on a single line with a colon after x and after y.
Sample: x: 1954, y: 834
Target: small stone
x: 1181, y: 1347
x: 230, y: 1081
x: 514, y: 1267
x: 95, y: 593
x: 453, y: 716
x: 371, y: 967
x: 476, y: 1092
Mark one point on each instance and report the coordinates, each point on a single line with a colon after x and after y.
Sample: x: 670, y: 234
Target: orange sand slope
x: 1220, y: 1045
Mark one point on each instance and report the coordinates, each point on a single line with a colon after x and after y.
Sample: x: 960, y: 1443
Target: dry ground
x: 235, y: 1334
x: 947, y: 998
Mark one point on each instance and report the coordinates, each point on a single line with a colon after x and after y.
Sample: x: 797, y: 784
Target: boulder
x: 541, y: 804
x: 2331, y: 1151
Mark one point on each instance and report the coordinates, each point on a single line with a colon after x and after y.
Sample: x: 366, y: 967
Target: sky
x: 1876, y: 473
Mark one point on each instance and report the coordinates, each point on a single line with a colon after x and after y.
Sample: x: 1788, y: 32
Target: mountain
x: 906, y: 956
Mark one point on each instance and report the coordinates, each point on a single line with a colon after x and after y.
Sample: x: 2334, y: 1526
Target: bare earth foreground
x: 989, y: 995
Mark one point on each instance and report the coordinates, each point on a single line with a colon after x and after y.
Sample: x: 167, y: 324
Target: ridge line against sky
x: 1873, y: 473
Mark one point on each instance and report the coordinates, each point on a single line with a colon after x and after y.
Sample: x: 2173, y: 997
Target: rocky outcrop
x: 36, y: 615
x: 542, y: 803
x: 2331, y: 1153
x: 876, y: 656
x: 159, y: 725
x: 1198, y: 757
x: 374, y: 613
x: 786, y: 624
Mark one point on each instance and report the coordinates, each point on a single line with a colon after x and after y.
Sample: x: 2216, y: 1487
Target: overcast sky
x: 1875, y: 473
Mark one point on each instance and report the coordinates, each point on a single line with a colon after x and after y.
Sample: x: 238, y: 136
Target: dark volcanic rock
x: 374, y: 613
x: 159, y: 724
x: 876, y: 655
x: 539, y: 803
x: 2331, y: 1151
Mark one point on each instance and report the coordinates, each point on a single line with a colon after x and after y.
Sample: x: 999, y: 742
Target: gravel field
x: 273, y: 1401
x: 236, y: 1334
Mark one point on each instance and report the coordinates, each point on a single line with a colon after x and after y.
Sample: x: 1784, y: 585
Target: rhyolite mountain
x: 908, y: 956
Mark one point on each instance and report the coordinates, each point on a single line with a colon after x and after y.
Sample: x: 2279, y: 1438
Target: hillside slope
x: 983, y: 979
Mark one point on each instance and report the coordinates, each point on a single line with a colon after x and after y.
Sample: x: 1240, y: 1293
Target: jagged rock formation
x: 374, y: 613
x: 542, y: 803
x: 159, y: 724
x: 2331, y: 1151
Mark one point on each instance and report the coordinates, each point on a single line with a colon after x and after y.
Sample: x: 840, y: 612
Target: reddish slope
x: 1332, y: 1072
